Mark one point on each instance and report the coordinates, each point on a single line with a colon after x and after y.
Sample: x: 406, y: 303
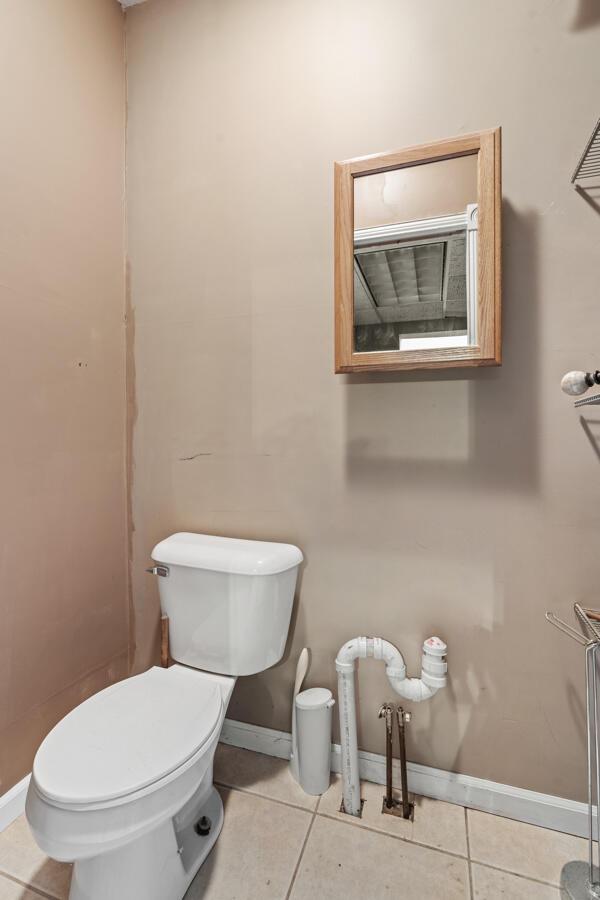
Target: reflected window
x: 412, y: 284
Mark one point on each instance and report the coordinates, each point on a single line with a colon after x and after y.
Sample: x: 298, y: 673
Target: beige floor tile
x: 436, y: 824
x: 343, y: 861
x: 259, y: 774
x: 521, y: 848
x: 489, y: 884
x: 256, y: 853
x: 20, y: 856
x: 10, y: 890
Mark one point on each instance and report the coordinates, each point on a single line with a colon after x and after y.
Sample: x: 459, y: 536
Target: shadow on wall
x: 591, y: 428
x: 587, y: 15
x: 591, y: 194
x: 457, y: 428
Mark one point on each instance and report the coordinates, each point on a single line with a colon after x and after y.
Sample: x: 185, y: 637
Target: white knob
x: 575, y: 383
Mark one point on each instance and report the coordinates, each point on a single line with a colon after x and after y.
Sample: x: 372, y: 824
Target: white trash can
x: 313, y: 731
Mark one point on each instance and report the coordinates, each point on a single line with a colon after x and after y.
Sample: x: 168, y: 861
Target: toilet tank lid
x: 222, y: 554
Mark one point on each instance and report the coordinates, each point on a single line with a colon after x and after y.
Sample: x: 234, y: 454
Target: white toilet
x: 123, y: 785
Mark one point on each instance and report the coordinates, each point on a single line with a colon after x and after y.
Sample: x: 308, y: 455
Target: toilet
x: 123, y: 785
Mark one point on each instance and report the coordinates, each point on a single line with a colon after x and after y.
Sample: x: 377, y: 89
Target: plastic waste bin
x: 313, y: 737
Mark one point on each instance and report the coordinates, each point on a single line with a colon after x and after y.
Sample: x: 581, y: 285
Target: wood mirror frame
x: 487, y: 351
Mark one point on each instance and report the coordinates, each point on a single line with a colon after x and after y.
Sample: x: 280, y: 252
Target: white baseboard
x: 12, y: 803
x: 557, y: 813
x: 474, y: 793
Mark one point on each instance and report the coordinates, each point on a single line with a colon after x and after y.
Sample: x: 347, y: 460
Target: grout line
x: 336, y: 818
x: 360, y: 824
x: 34, y: 890
x: 530, y: 878
x: 299, y: 860
x: 231, y: 787
x: 469, y: 855
x: 396, y: 837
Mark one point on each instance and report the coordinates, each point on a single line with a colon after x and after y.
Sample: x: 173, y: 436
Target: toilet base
x: 158, y: 866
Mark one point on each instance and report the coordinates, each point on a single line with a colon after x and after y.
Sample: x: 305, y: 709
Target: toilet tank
x: 229, y: 601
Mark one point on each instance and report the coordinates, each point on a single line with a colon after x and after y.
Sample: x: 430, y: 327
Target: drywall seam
x: 130, y: 393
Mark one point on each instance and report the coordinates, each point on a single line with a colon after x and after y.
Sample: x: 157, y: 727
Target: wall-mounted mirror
x: 417, y: 257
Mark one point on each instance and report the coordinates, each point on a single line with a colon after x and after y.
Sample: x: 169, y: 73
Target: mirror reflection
x: 415, y: 257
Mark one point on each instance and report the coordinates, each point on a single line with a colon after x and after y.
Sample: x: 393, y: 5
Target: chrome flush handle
x: 163, y: 571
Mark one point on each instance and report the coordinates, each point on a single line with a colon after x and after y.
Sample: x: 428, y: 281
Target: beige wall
x: 464, y: 504
x: 63, y: 593
x: 440, y: 188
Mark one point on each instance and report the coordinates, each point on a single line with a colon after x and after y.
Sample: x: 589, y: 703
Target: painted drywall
x: 63, y: 563
x: 461, y: 503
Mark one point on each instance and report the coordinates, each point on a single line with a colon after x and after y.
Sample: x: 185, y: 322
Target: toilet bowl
x: 130, y: 759
x: 123, y: 785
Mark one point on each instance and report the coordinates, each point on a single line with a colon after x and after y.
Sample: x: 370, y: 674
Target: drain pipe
x: 433, y: 677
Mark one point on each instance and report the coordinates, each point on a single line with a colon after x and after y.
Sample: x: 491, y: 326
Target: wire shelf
x: 581, y: 881
x: 589, y: 401
x: 589, y: 164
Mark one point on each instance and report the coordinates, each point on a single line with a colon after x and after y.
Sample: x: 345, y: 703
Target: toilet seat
x: 128, y: 738
x: 72, y: 829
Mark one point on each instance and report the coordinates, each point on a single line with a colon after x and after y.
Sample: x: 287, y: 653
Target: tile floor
x: 279, y: 844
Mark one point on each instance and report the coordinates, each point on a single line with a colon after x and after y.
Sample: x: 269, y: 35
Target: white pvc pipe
x: 348, y: 735
x: 433, y: 677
